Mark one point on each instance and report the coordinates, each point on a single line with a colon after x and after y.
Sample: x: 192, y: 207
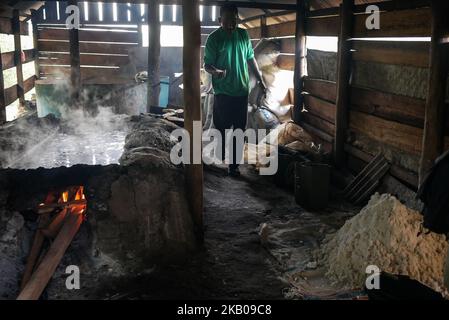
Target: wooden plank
x: 6, y: 26
x: 28, y: 84
x: 10, y: 95
x: 192, y: 111
x: 101, y: 75
x: 35, y: 250
x: 8, y: 58
x: 154, y: 53
x: 86, y: 47
x: 402, y: 53
x: 401, y: 23
x: 286, y: 62
x: 320, y: 108
x: 323, y: 89
x: 17, y: 56
x: 284, y: 29
x: 47, y: 267
x: 86, y: 59
x: 255, y: 33
x: 403, y: 137
x: 90, y: 35
x: 389, y: 106
x: 323, y: 26
x: 319, y: 123
x: 321, y: 135
x: 436, y: 108
x: 343, y: 79
x: 288, y: 45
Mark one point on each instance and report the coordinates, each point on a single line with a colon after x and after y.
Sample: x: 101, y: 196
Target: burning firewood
x: 62, y: 228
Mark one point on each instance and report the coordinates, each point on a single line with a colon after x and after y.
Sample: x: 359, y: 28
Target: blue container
x: 163, y: 96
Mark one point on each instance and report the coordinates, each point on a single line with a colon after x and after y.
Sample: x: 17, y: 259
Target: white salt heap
x: 385, y: 234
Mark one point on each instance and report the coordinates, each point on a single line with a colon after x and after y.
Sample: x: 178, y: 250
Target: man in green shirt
x: 227, y: 55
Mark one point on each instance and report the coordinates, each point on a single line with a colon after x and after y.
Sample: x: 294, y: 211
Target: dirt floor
x: 238, y: 260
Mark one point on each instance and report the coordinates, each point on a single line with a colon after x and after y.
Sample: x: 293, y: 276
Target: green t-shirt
x: 230, y: 52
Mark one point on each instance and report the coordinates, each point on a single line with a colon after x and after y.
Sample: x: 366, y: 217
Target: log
x: 46, y: 269
x: 51, y: 231
x: 62, y: 205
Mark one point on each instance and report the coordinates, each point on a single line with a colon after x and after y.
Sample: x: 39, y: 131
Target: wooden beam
x: 436, y: 110
x: 75, y: 70
x: 402, y: 53
x: 300, y: 60
x: 343, y: 81
x: 154, y: 52
x: 241, y: 4
x: 192, y: 111
x: 34, y: 19
x: 322, y: 89
x: 90, y: 35
x: 18, y: 56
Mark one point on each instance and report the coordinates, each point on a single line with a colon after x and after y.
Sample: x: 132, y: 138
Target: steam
x: 88, y: 133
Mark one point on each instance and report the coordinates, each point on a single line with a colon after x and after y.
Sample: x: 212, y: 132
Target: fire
x: 70, y: 200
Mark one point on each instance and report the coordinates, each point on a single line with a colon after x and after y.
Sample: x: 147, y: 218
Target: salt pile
x: 385, y: 234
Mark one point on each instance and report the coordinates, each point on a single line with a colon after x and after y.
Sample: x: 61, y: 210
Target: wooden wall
x: 13, y: 59
x: 104, y: 44
x: 380, y: 119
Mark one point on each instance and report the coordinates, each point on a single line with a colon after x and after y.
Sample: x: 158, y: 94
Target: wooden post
x: 34, y: 19
x: 2, y: 93
x: 433, y: 139
x: 75, y: 70
x: 138, y: 19
x: 18, y: 56
x: 263, y: 27
x: 154, y: 52
x: 300, y: 59
x: 343, y: 80
x: 192, y: 108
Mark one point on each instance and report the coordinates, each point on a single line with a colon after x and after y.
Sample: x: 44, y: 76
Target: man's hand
x: 214, y: 71
x: 220, y: 74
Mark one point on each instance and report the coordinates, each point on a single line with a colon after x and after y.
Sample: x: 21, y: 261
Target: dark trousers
x: 230, y: 113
